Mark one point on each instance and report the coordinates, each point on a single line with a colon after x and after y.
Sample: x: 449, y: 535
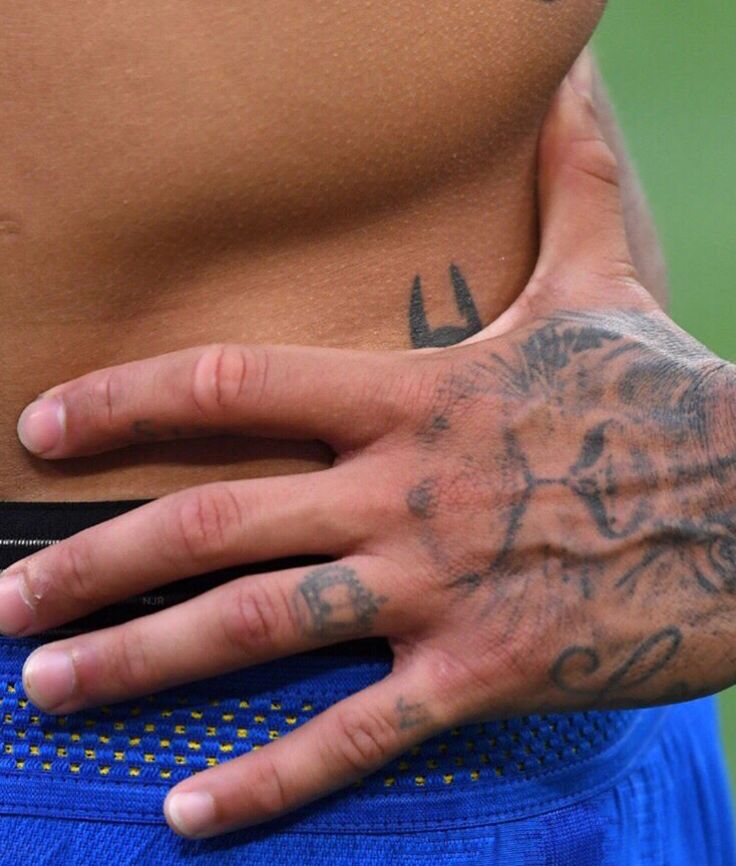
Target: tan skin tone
x: 117, y: 244
x: 508, y: 578
x: 177, y: 173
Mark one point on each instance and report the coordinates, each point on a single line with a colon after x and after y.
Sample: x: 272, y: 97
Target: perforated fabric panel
x: 168, y: 737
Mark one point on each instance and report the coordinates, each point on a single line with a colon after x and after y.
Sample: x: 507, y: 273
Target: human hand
x: 539, y: 519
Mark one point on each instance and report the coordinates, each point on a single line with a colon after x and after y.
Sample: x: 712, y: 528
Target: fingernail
x: 16, y: 614
x: 41, y: 425
x: 190, y: 814
x: 48, y: 677
x: 581, y: 75
x: 49, y: 392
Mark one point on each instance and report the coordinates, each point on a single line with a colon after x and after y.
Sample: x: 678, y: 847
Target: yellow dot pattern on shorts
x: 154, y: 740
x: 166, y: 738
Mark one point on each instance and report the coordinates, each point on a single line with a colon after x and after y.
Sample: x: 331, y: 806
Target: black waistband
x: 52, y: 520
x: 26, y: 527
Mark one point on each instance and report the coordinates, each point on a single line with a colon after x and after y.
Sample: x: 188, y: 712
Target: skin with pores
x: 630, y: 518
x: 177, y: 173
x: 540, y: 518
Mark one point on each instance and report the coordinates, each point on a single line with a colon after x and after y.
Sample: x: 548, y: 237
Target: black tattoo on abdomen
x: 423, y: 336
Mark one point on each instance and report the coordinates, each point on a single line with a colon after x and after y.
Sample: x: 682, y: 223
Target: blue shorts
x: 630, y: 787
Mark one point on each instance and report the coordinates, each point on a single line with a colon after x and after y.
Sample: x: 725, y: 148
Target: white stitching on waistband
x: 27, y: 542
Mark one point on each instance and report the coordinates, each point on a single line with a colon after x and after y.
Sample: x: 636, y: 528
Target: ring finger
x: 244, y: 622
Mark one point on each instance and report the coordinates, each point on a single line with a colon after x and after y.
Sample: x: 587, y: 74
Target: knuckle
x: 221, y: 375
x: 255, y: 619
x: 363, y: 739
x: 531, y: 302
x: 459, y: 684
x: 412, y: 394
x: 450, y: 673
x: 622, y: 273
x: 416, y: 390
x: 267, y: 787
x: 495, y: 676
x: 129, y: 662
x: 106, y: 395
x: 76, y: 578
x: 593, y: 157
x: 402, y: 392
x: 204, y: 521
x: 551, y: 282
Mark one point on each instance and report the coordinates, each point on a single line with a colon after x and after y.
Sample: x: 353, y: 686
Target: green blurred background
x: 671, y: 71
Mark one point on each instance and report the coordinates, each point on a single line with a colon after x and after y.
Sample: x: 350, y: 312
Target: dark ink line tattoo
x: 630, y: 578
x: 411, y: 715
x: 332, y: 601
x: 578, y: 664
x: 423, y: 336
x: 422, y: 499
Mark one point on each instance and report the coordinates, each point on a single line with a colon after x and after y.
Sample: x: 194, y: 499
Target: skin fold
x: 510, y: 575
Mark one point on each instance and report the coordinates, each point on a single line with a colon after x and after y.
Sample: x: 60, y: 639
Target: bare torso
x: 179, y: 173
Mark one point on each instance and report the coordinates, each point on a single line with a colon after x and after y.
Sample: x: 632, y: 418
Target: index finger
x: 345, y: 398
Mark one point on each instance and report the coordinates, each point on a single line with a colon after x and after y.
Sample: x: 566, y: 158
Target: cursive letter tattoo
x: 574, y: 671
